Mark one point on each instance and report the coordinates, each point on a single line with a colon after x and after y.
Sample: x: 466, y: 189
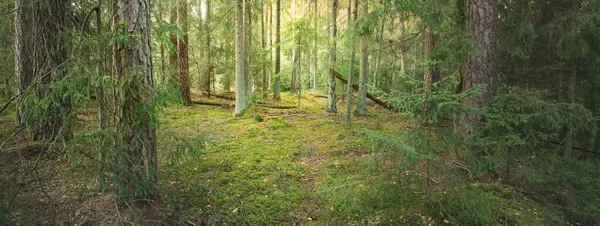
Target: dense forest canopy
x: 314, y: 112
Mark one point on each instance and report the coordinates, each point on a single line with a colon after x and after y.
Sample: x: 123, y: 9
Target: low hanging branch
x: 355, y: 87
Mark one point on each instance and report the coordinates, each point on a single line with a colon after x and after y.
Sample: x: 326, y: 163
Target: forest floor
x: 273, y: 166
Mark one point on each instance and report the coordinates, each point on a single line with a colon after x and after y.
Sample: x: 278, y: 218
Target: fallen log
x: 218, y: 96
x: 355, y: 87
x: 277, y: 106
x: 200, y: 102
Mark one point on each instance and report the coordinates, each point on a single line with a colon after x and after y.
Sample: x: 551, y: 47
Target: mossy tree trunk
x: 42, y: 30
x: 351, y: 70
x: 481, y: 67
x: 331, y: 97
x: 136, y: 131
x: 276, y: 85
x: 361, y: 108
x: 240, y: 59
x: 183, y: 56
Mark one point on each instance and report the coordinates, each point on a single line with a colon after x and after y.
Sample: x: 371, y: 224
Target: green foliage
x: 570, y: 185
x: 521, y: 120
x: 442, y: 100
x: 491, y: 204
x: 6, y: 217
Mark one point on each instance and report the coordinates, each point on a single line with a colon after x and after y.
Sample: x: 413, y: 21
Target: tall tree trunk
x: 294, y: 78
x: 163, y: 71
x: 276, y: 86
x: 207, y: 48
x: 571, y: 96
x: 101, y: 97
x: 361, y: 108
x: 351, y: 71
x: 270, y: 44
x: 263, y: 43
x: 331, y: 99
x: 133, y: 66
x: 481, y: 67
x: 41, y: 55
x: 202, y: 80
x: 248, y: 48
x: 23, y: 65
x: 315, y: 64
x: 174, y: 42
x: 376, y: 72
x: 431, y: 73
x: 240, y: 59
x: 182, y: 55
x: 401, y: 30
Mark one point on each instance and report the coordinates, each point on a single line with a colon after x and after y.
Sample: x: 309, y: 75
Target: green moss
x: 493, y: 204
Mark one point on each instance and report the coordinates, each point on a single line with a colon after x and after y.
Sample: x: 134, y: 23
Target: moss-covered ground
x: 272, y: 166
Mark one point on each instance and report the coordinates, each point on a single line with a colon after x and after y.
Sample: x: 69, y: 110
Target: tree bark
x: 315, y: 66
x: 263, y: 43
x: 571, y: 97
x: 331, y: 98
x: 276, y: 86
x: 137, y: 133
x: 207, y: 48
x: 240, y: 59
x: 481, y: 67
x: 23, y: 66
x: 202, y: 79
x: 174, y: 42
x: 376, y: 72
x: 182, y: 54
x: 163, y: 71
x: 351, y: 70
x: 270, y: 79
x: 431, y: 73
x: 361, y: 108
x: 294, y: 79
x: 41, y: 54
x: 248, y: 48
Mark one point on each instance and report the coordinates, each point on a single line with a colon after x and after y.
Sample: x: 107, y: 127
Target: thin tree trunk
x: 276, y: 88
x: 240, y: 59
x: 248, y: 48
x: 401, y: 30
x: 331, y: 99
x: 376, y: 73
x: 351, y: 71
x: 315, y: 67
x: 263, y: 46
x: 202, y: 79
x: 295, y: 63
x: 182, y: 55
x: 299, y: 85
x: 481, y: 67
x: 571, y: 96
x: 361, y: 108
x: 427, y: 74
x: 294, y: 78
x: 163, y: 72
x: 270, y: 44
x: 23, y: 66
x: 207, y: 48
x: 100, y: 93
x: 175, y: 45
x: 137, y: 135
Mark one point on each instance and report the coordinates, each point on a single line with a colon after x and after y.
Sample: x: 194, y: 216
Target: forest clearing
x: 270, y: 167
x: 292, y: 112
